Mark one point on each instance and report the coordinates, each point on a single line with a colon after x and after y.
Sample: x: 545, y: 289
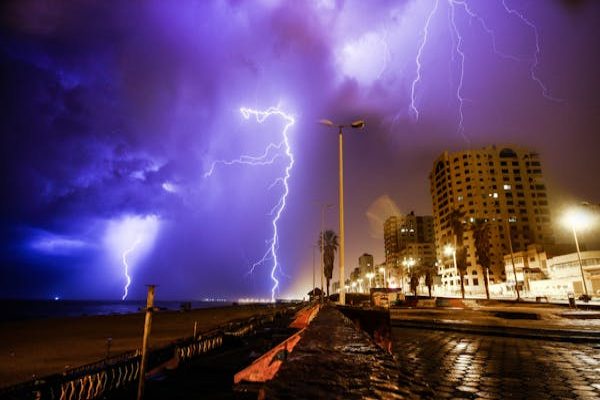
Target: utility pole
x: 147, y: 326
x: 512, y: 258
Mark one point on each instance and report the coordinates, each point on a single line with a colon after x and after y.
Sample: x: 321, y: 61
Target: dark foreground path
x: 211, y: 376
x: 467, y: 366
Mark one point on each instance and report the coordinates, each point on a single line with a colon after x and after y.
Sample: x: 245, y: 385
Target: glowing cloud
x: 129, y: 240
x: 54, y: 244
x: 364, y: 59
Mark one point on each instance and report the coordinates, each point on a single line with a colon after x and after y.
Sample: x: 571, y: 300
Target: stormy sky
x: 123, y: 141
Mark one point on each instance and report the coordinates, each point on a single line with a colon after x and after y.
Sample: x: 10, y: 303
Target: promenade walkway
x: 335, y: 360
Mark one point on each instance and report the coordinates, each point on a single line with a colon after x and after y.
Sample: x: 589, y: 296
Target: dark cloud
x: 112, y: 113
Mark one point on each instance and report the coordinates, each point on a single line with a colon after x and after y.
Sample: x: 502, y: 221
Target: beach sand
x: 46, y: 346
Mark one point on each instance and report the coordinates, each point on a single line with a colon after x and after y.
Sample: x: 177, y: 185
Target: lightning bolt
x: 536, y: 54
x: 457, y: 48
x: 418, y: 59
x: 268, y: 157
x: 126, y: 265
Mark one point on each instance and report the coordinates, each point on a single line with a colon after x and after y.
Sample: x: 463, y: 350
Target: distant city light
x: 254, y: 300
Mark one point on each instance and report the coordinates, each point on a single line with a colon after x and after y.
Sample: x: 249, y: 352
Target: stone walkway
x: 504, y: 351
x: 458, y: 365
x: 335, y: 360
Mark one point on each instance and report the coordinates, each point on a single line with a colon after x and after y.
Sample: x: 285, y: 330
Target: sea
x: 14, y: 310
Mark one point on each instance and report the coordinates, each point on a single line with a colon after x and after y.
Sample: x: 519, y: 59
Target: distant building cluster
x: 503, y: 190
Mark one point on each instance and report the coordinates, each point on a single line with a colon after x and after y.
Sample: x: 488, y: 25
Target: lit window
x: 507, y: 187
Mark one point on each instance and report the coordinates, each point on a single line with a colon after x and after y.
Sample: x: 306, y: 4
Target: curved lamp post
x: 356, y: 125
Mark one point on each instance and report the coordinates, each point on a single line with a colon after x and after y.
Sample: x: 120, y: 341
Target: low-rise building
x: 558, y: 276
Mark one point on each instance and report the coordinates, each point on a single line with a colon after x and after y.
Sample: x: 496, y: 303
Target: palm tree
x: 329, y: 246
x: 456, y: 222
x: 429, y: 271
x: 481, y: 235
x: 414, y: 276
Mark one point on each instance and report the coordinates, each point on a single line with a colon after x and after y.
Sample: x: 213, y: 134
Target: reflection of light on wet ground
x: 465, y: 368
x: 454, y: 321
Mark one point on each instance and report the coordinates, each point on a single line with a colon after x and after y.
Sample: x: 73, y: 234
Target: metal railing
x: 93, y: 380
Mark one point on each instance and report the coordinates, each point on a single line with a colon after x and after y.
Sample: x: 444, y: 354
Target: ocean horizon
x: 22, y: 309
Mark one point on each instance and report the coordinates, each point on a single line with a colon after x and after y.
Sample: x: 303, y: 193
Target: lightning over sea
x: 271, y: 153
x: 126, y: 265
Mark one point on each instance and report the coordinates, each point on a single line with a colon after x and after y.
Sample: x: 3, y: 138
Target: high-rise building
x: 365, y: 263
x: 501, y: 186
x: 409, y: 243
x: 391, y: 243
x: 415, y: 229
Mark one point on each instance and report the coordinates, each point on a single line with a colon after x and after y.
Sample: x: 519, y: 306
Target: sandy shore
x: 46, y: 346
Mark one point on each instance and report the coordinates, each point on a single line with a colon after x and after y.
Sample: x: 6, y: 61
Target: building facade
x: 553, y: 277
x: 365, y: 262
x: 409, y: 243
x: 502, y: 186
x: 391, y: 242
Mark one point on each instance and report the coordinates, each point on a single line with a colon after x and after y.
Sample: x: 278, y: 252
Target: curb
x: 563, y: 335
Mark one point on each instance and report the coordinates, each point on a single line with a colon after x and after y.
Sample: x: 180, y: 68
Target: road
x: 467, y: 366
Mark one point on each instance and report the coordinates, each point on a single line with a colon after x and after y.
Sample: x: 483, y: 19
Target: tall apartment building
x: 409, y: 242
x: 391, y: 243
x: 365, y: 263
x: 503, y: 186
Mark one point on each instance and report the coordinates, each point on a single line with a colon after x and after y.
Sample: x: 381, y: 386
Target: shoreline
x: 21, y: 309
x: 40, y: 347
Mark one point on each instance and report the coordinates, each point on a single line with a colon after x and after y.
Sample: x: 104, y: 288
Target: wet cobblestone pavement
x: 335, y: 360
x: 456, y: 365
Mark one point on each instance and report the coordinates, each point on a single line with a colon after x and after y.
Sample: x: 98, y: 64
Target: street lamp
x: 577, y: 219
x: 382, y: 270
x: 407, y: 264
x: 314, y: 292
x: 356, y: 125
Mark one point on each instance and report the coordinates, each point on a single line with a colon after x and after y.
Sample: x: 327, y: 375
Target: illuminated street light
x: 360, y: 287
x: 356, y: 125
x: 576, y: 219
x: 450, y: 250
x: 407, y: 264
x: 354, y: 287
